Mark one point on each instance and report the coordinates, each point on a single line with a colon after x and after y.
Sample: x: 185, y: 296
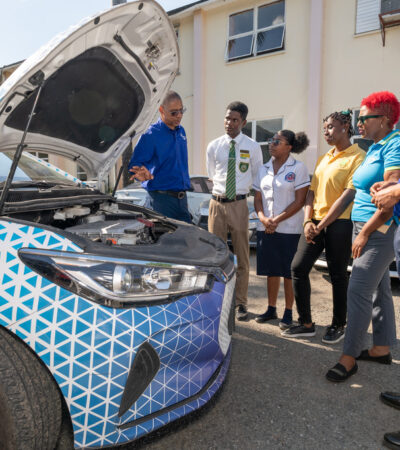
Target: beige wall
x: 184, y: 81
x: 277, y: 84
x: 272, y: 85
x: 355, y: 65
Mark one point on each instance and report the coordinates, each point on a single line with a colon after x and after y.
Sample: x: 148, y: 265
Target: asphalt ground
x: 276, y: 395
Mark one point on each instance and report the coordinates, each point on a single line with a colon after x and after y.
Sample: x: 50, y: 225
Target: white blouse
x: 278, y: 191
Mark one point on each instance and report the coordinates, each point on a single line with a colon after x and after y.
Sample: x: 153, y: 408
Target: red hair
x: 384, y: 103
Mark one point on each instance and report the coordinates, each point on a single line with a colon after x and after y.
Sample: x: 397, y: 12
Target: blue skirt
x: 275, y: 253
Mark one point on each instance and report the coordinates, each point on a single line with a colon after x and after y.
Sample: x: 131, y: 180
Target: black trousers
x: 336, y: 240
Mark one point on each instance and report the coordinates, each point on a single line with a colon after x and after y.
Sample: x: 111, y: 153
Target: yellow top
x: 332, y: 175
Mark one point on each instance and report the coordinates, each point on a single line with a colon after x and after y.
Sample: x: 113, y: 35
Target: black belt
x: 219, y: 198
x: 177, y: 194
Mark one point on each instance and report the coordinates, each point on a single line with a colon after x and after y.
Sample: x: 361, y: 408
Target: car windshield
x: 31, y: 169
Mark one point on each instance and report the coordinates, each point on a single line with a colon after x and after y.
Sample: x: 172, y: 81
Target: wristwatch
x: 306, y: 222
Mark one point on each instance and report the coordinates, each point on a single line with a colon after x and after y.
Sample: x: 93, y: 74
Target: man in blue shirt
x: 160, y: 161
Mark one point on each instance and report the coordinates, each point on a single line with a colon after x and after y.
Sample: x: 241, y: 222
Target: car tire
x: 66, y: 436
x: 30, y: 403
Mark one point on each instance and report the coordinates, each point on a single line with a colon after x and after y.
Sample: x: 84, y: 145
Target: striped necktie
x: 230, y: 189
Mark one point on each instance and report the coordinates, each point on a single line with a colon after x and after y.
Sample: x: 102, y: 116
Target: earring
x: 343, y: 130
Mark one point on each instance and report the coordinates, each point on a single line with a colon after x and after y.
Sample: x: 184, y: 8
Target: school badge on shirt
x: 290, y: 176
x: 244, y: 158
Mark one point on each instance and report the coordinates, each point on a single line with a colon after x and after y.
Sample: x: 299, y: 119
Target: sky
x: 25, y: 25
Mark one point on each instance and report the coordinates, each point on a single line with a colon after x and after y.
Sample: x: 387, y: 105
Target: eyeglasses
x: 362, y: 119
x: 176, y: 112
x: 275, y: 142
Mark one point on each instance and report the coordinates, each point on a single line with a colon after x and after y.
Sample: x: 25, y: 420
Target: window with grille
x: 368, y: 13
x: 256, y: 31
x: 261, y: 131
x: 41, y: 155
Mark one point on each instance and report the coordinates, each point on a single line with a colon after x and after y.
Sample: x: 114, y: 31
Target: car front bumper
x: 90, y: 349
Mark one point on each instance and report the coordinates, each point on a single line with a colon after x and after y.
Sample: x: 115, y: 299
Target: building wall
x: 272, y: 85
x: 183, y: 82
x: 355, y: 65
x: 280, y: 84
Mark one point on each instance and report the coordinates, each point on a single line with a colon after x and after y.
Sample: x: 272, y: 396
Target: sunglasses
x: 362, y: 119
x: 275, y: 142
x: 176, y: 112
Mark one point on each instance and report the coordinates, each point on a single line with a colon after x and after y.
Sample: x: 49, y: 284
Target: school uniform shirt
x: 248, y: 161
x: 278, y: 191
x: 381, y: 157
x: 332, y: 175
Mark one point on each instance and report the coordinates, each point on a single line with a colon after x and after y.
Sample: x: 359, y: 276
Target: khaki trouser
x: 233, y: 217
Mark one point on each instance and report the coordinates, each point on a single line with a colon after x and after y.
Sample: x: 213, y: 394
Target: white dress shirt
x: 248, y: 161
x: 278, y: 191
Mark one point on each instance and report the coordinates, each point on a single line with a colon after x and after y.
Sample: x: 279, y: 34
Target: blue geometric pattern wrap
x: 89, y: 348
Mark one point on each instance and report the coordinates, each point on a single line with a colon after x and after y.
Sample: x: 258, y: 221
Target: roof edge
x: 192, y: 6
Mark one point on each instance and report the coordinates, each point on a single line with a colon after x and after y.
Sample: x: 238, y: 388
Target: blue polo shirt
x: 164, y: 153
x: 381, y: 157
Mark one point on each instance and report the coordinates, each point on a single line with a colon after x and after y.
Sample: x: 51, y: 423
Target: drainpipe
x: 315, y: 81
x: 198, y: 144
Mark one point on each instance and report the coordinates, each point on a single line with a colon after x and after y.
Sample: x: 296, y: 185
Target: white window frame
x: 367, y: 16
x: 253, y: 123
x: 38, y: 153
x: 254, y: 32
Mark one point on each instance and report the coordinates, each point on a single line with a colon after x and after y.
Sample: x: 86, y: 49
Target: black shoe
x: 268, y: 315
x: 241, y: 312
x: 384, y: 359
x: 287, y: 320
x: 338, y: 373
x: 333, y: 334
x: 391, y: 399
x: 299, y: 331
x: 392, y: 440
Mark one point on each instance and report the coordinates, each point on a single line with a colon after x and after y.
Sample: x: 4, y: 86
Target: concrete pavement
x: 277, y: 397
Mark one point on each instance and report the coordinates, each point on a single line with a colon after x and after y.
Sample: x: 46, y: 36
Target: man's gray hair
x: 171, y: 95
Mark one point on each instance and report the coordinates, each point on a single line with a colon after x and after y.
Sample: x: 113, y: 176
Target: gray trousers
x: 369, y: 294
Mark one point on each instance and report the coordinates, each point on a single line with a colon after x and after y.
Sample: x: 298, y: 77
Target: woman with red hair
x: 369, y: 293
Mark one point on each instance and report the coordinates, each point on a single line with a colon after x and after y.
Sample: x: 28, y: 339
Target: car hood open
x: 102, y: 82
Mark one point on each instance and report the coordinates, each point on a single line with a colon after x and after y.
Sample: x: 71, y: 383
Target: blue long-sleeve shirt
x: 164, y: 153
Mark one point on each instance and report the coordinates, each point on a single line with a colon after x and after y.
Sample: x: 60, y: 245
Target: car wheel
x: 66, y: 435
x: 30, y: 403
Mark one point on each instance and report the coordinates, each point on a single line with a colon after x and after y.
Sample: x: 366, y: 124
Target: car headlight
x: 117, y: 282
